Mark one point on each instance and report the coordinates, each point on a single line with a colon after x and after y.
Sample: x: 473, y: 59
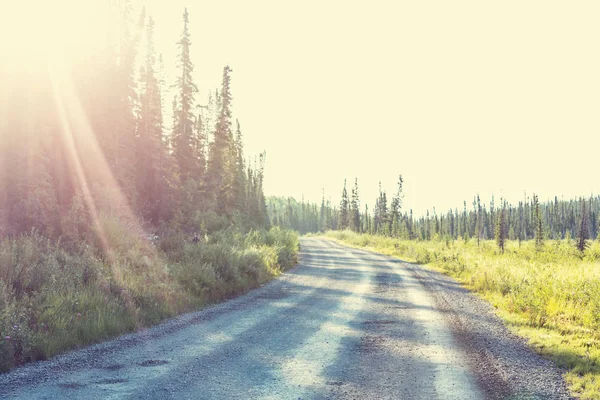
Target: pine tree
x: 396, y: 208
x: 121, y: 159
x: 323, y: 215
x: 479, y: 221
x: 200, y: 142
x: 465, y: 226
x: 344, y: 210
x: 262, y: 216
x: 355, y: 208
x: 239, y: 186
x: 501, y: 228
x: 539, y: 229
x: 183, y: 130
x: 221, y: 167
x: 329, y: 224
x: 153, y: 169
x: 583, y: 227
x: 381, y: 217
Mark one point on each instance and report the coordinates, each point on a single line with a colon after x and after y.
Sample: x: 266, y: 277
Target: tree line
x: 92, y: 137
x: 528, y: 219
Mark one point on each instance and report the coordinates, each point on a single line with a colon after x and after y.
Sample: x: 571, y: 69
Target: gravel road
x: 344, y: 323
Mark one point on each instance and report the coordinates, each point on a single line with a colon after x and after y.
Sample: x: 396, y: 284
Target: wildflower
x: 78, y: 314
x: 15, y: 327
x: 6, y: 337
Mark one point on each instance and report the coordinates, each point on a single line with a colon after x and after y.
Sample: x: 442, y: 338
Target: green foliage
x: 539, y: 230
x: 344, y: 209
x: 53, y: 299
x: 500, y: 234
x: 354, y: 212
x: 529, y: 219
x: 184, y: 140
x: 222, y: 163
x: 584, y: 228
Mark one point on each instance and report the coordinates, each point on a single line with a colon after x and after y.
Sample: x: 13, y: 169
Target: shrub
x: 55, y: 298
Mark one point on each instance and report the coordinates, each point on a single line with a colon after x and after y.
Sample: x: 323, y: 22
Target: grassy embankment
x: 53, y: 299
x: 550, y: 296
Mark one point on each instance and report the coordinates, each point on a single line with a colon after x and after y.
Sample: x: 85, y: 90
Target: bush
x: 55, y: 298
x: 230, y: 264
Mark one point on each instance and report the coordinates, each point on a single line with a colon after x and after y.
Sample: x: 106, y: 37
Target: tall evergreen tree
x: 583, y: 227
x: 121, y: 154
x: 396, y: 208
x: 239, y: 184
x: 479, y: 221
x: 200, y: 142
x: 221, y: 167
x: 381, y: 217
x: 355, y: 208
x: 154, y: 170
x: 501, y: 228
x: 184, y: 144
x: 344, y: 210
x: 539, y: 229
x: 323, y: 215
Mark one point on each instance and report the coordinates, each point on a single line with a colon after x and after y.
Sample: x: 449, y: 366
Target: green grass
x: 53, y: 299
x: 550, y: 296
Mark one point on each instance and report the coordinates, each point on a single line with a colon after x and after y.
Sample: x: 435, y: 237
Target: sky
x: 461, y: 97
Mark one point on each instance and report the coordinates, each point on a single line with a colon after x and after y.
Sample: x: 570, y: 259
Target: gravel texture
x: 344, y: 323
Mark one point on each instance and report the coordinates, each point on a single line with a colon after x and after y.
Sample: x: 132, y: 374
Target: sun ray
x: 85, y: 154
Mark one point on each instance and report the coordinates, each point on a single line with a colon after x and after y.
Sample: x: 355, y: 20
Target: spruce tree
x: 200, y: 142
x: 184, y: 143
x: 154, y: 171
x: 583, y: 227
x: 239, y: 184
x: 396, y: 208
x: 539, y: 228
x: 501, y: 228
x: 381, y: 213
x: 355, y: 208
x: 344, y: 210
x: 221, y: 167
x: 478, y: 221
x: 322, y: 214
x: 121, y: 152
x: 263, y: 216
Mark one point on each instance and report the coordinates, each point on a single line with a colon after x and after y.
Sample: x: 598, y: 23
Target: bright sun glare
x: 46, y: 39
x: 51, y: 30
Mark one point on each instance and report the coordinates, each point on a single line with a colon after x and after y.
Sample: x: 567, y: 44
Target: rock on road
x: 344, y: 323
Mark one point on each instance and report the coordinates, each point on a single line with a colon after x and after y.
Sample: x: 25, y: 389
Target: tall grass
x: 53, y: 299
x: 549, y: 295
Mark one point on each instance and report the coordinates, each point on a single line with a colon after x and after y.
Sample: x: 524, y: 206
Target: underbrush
x: 550, y: 295
x: 53, y: 299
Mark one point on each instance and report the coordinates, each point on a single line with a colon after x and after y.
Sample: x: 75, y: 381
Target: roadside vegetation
x: 549, y: 294
x: 53, y: 299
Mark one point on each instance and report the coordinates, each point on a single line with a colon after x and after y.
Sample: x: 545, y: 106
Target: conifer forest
x: 530, y: 219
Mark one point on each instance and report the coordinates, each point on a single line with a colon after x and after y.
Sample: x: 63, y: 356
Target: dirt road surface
x: 343, y: 324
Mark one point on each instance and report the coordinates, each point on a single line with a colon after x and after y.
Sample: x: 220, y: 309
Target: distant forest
x: 559, y: 218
